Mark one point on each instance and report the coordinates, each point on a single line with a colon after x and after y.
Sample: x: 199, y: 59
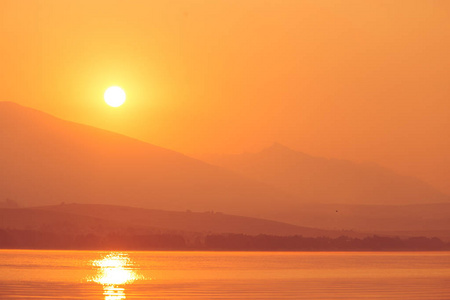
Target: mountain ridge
x: 45, y: 161
x: 329, y: 180
x: 62, y: 161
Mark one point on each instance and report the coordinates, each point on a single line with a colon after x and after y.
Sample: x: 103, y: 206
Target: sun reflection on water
x: 113, y: 272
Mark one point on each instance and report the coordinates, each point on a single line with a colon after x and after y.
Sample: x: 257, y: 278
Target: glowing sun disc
x: 114, y: 96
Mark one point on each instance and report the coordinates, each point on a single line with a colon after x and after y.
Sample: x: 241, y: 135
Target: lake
x: 36, y: 274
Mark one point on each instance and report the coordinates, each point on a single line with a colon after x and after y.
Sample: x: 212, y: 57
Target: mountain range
x: 47, y: 161
x: 329, y: 180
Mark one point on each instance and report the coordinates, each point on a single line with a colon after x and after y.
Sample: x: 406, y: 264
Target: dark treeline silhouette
x: 343, y: 243
x: 32, y: 239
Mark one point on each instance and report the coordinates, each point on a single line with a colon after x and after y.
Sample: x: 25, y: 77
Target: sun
x: 114, y: 96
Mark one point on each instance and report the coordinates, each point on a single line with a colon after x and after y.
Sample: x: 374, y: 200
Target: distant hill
x: 98, y: 219
x: 51, y: 221
x: 329, y: 180
x: 106, y: 227
x: 45, y: 160
x: 330, y: 220
x: 415, y: 219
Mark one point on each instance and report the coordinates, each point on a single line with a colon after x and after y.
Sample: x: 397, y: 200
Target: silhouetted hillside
x: 329, y: 180
x: 404, y: 220
x: 57, y: 222
x: 45, y: 160
x: 101, y: 219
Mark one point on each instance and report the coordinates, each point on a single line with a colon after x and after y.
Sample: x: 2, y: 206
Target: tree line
x: 34, y: 239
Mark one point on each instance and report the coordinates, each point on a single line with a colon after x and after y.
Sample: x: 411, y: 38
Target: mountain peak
x: 326, y: 180
x: 14, y: 111
x: 45, y: 160
x: 9, y: 105
x: 277, y: 149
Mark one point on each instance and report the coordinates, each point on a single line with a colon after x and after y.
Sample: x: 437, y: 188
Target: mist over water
x: 31, y: 274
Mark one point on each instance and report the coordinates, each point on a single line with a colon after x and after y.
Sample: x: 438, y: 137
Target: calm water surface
x: 31, y: 274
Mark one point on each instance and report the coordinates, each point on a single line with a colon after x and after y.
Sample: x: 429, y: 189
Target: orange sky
x: 360, y: 80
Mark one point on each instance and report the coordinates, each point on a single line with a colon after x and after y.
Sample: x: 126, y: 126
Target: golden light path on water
x: 114, y: 271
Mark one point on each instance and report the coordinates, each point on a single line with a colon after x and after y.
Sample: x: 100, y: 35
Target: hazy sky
x: 360, y: 80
